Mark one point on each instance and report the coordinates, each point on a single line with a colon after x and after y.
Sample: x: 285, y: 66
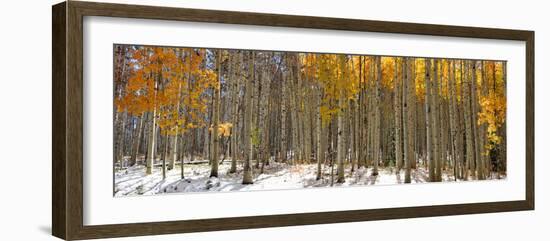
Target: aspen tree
x: 247, y: 174
x: 216, y: 117
x: 398, y: 119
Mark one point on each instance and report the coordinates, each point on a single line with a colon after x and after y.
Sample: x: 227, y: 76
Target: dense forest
x: 196, y: 119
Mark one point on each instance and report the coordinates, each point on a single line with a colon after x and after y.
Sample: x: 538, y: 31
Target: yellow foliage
x: 493, y: 113
x: 173, y: 82
x: 337, y: 78
x: 224, y: 129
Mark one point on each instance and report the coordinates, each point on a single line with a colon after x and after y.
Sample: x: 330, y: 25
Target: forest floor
x: 133, y: 181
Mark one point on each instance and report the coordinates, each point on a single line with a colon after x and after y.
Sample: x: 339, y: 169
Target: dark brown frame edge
x: 67, y: 121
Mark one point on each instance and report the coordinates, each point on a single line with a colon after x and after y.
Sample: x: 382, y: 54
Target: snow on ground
x: 133, y: 180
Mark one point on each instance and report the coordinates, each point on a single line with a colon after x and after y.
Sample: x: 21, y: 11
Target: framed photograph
x: 171, y: 120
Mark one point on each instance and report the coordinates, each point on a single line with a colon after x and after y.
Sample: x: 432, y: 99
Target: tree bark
x: 452, y: 118
x: 475, y: 127
x: 284, y: 99
x: 436, y: 122
x: 398, y: 118
x: 134, y: 158
x: 235, y: 117
x: 468, y: 123
x: 216, y: 118
x: 340, y: 149
x: 152, y: 133
x: 247, y: 174
x: 377, y: 117
x: 320, y: 132
x: 429, y: 120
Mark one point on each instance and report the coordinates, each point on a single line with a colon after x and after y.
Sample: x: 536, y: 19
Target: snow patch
x: 133, y: 180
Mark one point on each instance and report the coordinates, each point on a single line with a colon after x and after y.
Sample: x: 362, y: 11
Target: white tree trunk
x: 216, y: 118
x: 377, y: 117
x: 247, y: 175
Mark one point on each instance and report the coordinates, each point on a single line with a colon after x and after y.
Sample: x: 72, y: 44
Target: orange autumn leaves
x: 166, y: 81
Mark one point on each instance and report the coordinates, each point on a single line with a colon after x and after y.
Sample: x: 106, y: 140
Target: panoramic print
x: 189, y: 119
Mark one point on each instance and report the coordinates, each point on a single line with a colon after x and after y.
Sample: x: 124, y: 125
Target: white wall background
x: 25, y: 123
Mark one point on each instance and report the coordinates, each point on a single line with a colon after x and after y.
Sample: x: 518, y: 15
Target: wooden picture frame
x: 67, y: 123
